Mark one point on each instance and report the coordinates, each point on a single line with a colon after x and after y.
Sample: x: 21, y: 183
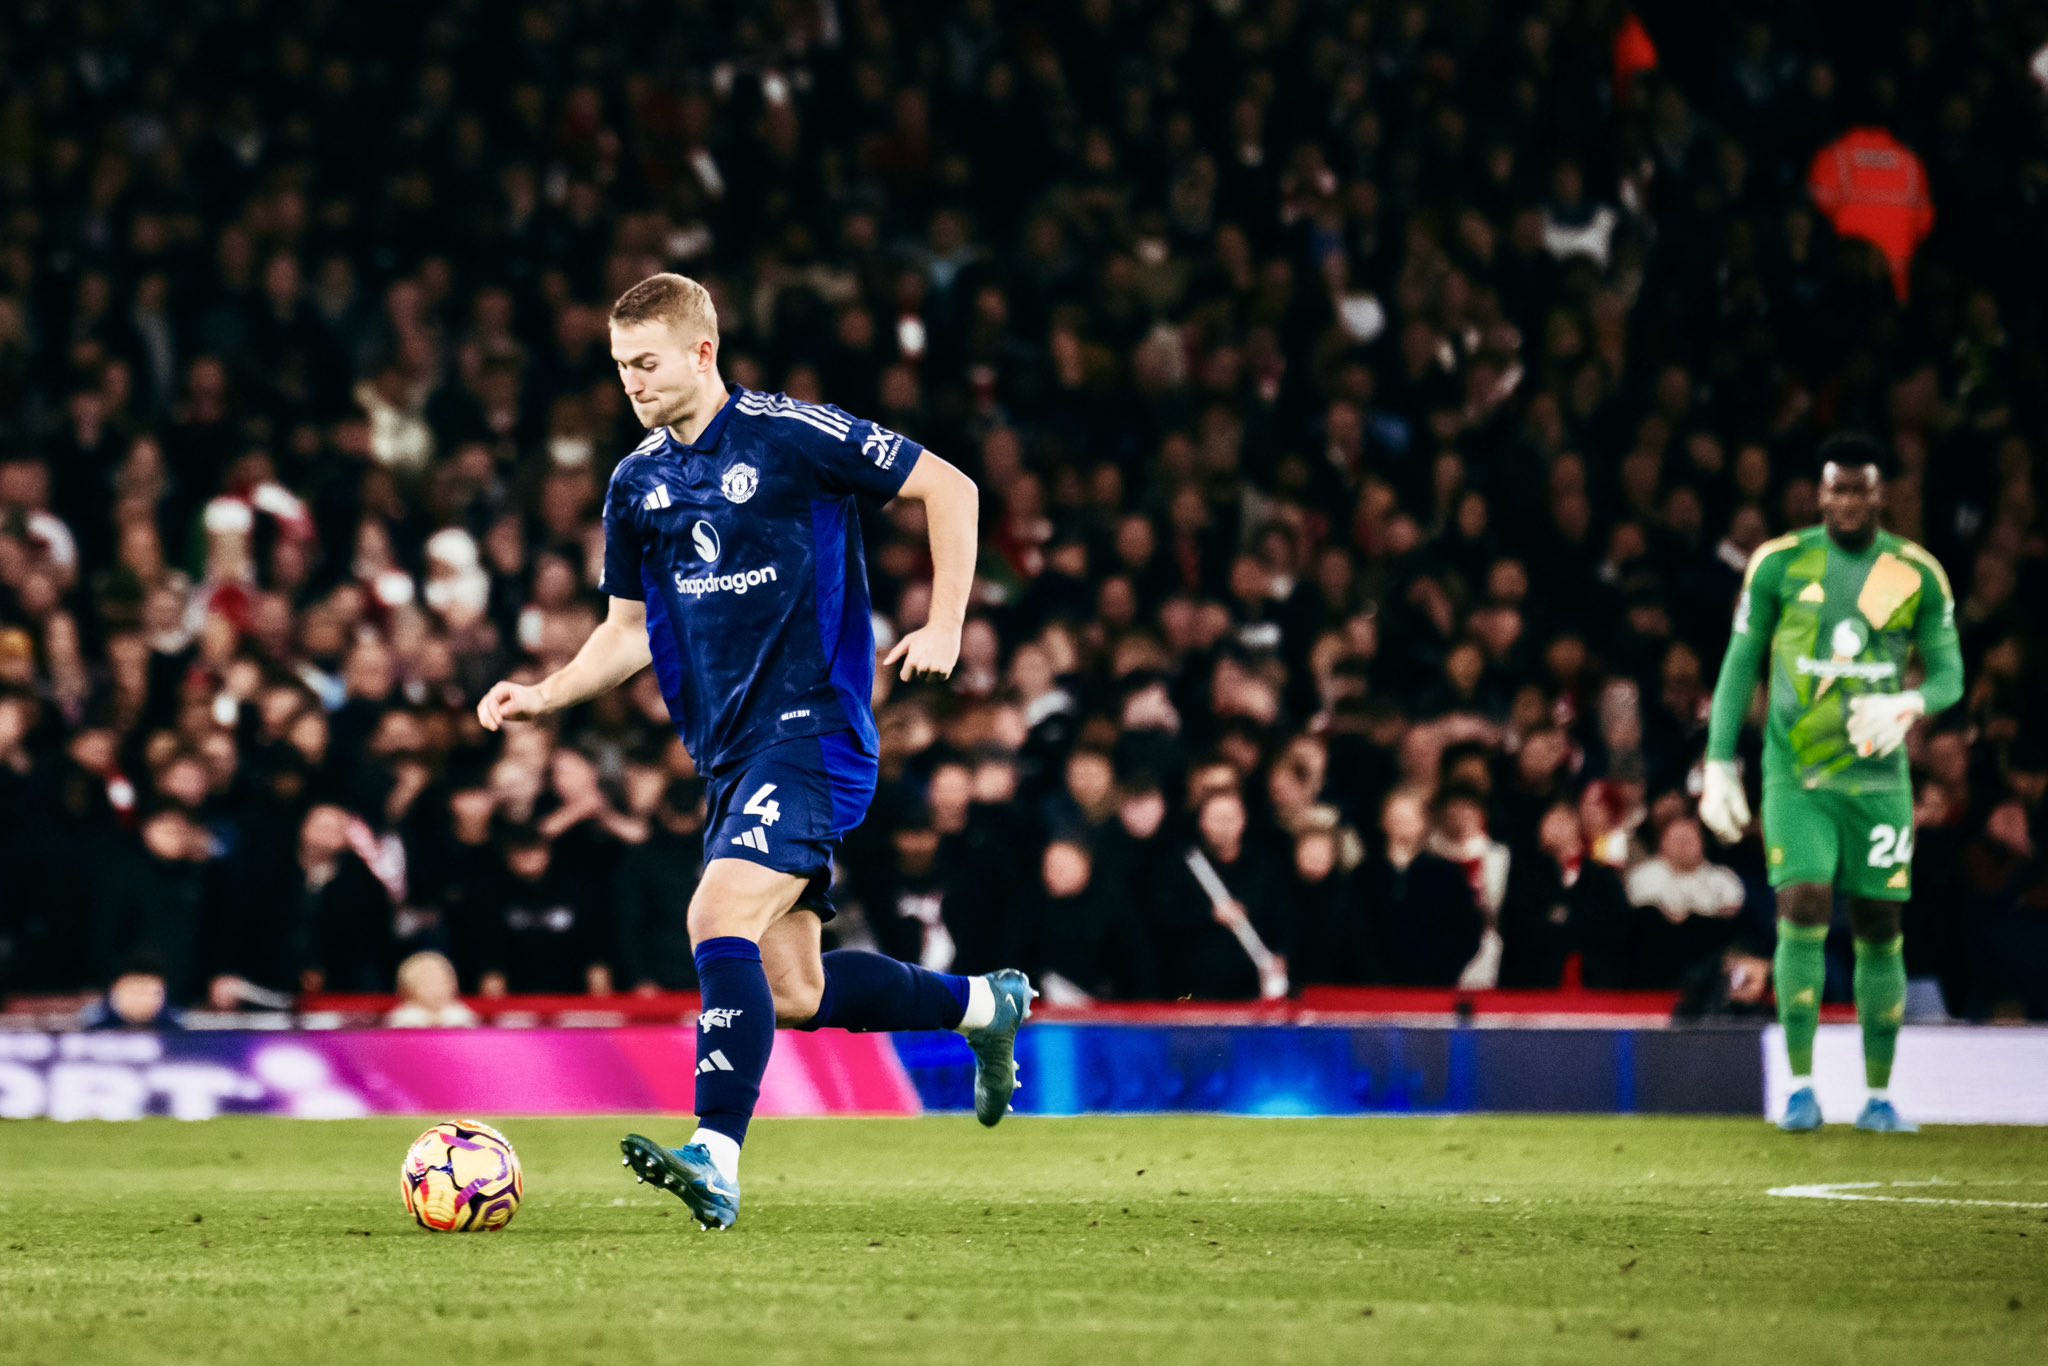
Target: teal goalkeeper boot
x: 1802, y: 1112
x: 995, y: 1046
x: 1879, y: 1117
x: 690, y: 1173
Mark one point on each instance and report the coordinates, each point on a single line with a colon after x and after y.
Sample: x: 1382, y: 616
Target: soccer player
x: 1839, y: 607
x: 733, y: 563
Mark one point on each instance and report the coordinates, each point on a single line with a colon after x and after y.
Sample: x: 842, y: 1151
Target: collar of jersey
x: 707, y: 440
x: 1834, y: 546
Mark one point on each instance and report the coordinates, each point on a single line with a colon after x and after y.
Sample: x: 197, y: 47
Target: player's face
x: 661, y: 370
x: 1850, y: 496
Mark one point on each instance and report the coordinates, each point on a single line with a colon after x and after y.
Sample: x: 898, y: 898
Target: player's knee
x: 1806, y: 905
x: 1874, y: 922
x: 797, y: 998
x: 711, y: 919
x: 739, y: 902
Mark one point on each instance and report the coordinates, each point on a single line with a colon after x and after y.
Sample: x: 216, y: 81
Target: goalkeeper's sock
x: 1800, y: 971
x: 735, y: 1034
x: 1880, y: 1005
x: 871, y: 992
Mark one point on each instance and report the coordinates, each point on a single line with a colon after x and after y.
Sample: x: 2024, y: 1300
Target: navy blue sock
x: 734, y: 1034
x: 874, y: 993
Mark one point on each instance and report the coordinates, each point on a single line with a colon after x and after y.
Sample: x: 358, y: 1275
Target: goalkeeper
x: 1839, y: 607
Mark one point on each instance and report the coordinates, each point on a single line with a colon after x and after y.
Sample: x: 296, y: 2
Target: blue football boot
x: 690, y: 1174
x: 1879, y: 1117
x: 1802, y: 1112
x: 995, y: 1046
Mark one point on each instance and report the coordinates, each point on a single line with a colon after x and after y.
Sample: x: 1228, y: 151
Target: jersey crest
x: 740, y: 483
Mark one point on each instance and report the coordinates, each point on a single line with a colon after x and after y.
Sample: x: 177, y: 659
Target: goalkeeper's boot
x: 1879, y: 1117
x: 1802, y: 1112
x: 995, y: 1045
x: 690, y: 1174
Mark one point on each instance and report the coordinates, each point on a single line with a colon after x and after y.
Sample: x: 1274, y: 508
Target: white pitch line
x: 1844, y: 1190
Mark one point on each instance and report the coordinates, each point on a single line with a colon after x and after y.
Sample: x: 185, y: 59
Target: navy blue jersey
x: 746, y: 548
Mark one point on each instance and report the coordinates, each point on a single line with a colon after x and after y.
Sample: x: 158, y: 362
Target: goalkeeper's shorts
x: 1861, y: 845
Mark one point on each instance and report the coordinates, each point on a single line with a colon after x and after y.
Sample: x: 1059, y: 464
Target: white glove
x: 1878, y: 722
x: 1724, y: 806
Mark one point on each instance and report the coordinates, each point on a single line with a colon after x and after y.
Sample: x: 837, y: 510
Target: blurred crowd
x: 1374, y: 406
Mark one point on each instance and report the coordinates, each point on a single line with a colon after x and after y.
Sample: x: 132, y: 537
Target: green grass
x: 1170, y: 1240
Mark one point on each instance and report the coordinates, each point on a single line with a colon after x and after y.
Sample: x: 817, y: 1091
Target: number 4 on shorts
x: 769, y: 812
x: 1890, y: 847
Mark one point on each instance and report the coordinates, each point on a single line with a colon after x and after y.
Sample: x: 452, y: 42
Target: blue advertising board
x: 1074, y: 1069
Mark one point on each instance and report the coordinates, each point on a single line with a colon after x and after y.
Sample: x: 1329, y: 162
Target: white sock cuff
x: 981, y: 1006
x: 725, y: 1154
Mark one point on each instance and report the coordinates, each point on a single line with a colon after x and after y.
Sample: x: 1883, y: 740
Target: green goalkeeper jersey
x: 1838, y: 624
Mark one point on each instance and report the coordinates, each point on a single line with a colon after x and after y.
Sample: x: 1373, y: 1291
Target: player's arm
x: 1879, y: 722
x: 616, y: 651
x: 1724, y: 808
x: 952, y: 512
x: 1941, y: 651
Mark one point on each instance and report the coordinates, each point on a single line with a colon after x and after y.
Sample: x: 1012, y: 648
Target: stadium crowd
x: 1374, y: 407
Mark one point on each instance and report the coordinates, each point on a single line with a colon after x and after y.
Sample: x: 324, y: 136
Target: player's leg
x: 734, y: 906
x: 1802, y: 852
x: 861, y: 991
x: 1880, y: 1006
x: 870, y: 992
x: 1799, y: 969
x: 873, y: 993
x: 1878, y: 883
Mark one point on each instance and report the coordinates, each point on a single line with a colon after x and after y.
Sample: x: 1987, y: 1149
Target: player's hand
x: 1724, y: 806
x: 929, y: 652
x: 509, y: 702
x: 1878, y: 722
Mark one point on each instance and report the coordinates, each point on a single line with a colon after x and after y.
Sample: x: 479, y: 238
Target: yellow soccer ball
x: 462, y: 1177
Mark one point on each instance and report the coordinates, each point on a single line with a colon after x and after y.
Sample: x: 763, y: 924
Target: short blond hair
x: 675, y: 300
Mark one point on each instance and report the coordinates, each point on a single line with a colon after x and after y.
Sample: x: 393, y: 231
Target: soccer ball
x: 461, y: 1177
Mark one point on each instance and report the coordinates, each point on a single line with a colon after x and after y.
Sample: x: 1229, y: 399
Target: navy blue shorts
x: 787, y: 807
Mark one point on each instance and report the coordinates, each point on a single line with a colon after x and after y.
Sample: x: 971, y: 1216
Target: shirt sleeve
x: 1756, y: 616
x: 870, y: 460
x: 621, y: 575
x: 1934, y: 635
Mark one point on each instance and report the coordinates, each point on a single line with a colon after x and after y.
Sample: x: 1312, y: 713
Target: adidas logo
x: 656, y: 499
x: 715, y: 1063
x: 755, y: 839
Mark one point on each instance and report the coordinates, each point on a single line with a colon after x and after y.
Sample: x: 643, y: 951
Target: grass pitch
x: 1126, y: 1240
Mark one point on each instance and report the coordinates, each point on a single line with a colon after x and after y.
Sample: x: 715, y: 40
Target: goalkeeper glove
x: 1724, y: 806
x: 1878, y: 722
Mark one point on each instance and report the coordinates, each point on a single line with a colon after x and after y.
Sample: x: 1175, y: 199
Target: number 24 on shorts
x: 1890, y: 846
